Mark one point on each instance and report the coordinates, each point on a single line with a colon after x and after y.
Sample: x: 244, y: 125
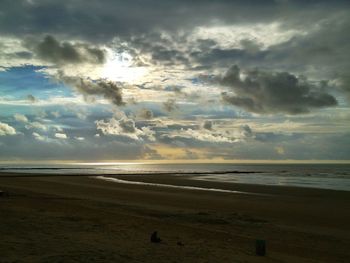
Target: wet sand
x: 84, y: 219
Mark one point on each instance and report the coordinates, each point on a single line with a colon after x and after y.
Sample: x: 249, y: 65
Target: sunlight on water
x: 107, y: 163
x: 326, y: 176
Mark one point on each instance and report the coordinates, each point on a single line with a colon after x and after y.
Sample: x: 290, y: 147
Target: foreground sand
x: 83, y: 219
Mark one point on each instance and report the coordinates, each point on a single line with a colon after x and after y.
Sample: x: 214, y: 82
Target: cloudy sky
x: 174, y: 80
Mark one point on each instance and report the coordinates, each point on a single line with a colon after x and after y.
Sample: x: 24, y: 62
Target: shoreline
x: 171, y: 178
x: 183, y: 187
x: 187, y: 180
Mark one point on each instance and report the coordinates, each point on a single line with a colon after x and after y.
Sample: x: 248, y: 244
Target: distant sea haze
x: 323, y: 176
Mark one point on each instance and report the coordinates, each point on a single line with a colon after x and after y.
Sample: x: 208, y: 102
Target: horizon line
x: 179, y: 161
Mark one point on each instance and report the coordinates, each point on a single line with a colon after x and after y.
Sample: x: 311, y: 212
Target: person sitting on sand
x: 155, y: 238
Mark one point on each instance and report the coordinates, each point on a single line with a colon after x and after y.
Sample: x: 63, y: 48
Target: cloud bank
x: 273, y: 92
x: 51, y: 50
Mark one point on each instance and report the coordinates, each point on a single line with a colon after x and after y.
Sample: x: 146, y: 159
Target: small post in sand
x: 260, y: 247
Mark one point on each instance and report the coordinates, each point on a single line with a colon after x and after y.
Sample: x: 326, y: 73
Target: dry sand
x: 83, y: 219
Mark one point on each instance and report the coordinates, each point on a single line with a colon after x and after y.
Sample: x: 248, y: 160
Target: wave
x: 120, y: 181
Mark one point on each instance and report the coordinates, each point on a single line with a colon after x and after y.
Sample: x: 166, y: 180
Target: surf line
x: 120, y: 181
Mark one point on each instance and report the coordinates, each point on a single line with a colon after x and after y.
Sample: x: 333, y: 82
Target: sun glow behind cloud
x: 119, y: 68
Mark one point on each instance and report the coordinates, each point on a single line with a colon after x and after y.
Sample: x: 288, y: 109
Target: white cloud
x: 125, y: 127
x: 36, y: 125
x: 39, y: 137
x: 61, y: 135
x: 219, y: 136
x: 58, y: 128
x: 20, y: 117
x: 214, y: 134
x: 56, y: 114
x: 6, y: 129
x: 231, y: 36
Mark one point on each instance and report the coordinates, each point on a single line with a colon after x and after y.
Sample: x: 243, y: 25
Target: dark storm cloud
x: 169, y: 56
x: 104, y: 19
x: 177, y: 49
x: 208, y: 125
x: 51, y: 50
x: 218, y: 57
x: 111, y: 91
x: 141, y: 25
x: 273, y: 92
x: 323, y: 52
x: 320, y: 50
x: 326, y: 45
x: 31, y: 98
x: 326, y: 50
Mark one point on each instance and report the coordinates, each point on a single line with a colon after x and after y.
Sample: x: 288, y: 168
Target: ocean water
x: 324, y: 176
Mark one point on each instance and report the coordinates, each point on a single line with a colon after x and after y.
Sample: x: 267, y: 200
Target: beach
x: 57, y: 218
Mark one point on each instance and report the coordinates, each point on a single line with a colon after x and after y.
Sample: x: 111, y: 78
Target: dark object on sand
x: 260, y: 247
x: 179, y: 243
x: 4, y: 194
x: 155, y: 238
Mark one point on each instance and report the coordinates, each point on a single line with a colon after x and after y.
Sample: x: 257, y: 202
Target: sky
x: 173, y: 80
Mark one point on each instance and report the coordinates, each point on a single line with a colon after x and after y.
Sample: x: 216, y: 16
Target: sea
x: 323, y: 176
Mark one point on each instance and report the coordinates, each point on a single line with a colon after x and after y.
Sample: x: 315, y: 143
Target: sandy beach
x: 84, y: 219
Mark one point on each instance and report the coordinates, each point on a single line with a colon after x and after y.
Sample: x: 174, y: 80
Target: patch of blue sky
x: 9, y: 110
x: 172, y: 88
x: 202, y: 80
x: 19, y: 82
